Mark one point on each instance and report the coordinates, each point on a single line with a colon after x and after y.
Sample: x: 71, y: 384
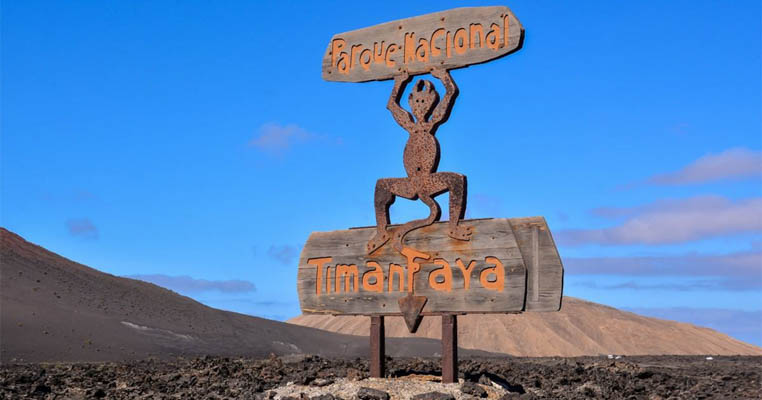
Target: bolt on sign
x: 425, y: 267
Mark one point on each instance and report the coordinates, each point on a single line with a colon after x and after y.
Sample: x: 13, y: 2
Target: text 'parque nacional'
x: 449, y: 39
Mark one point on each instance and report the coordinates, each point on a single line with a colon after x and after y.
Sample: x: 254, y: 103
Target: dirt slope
x: 53, y: 309
x: 580, y: 328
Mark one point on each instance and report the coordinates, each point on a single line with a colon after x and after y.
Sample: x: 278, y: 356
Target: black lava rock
x: 41, y: 389
x: 433, y: 396
x: 684, y: 377
x: 644, y: 374
x: 473, y: 389
x: 366, y: 393
x: 326, y: 396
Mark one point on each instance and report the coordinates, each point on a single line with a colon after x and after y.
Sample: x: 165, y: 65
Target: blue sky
x: 195, y: 144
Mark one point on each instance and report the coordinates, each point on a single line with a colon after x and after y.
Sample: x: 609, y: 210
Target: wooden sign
x: 423, y: 267
x: 510, y: 265
x: 449, y: 39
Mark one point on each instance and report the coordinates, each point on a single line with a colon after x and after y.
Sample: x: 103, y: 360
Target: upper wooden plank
x: 447, y: 39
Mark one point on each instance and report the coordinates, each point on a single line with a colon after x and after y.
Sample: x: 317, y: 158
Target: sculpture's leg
x: 386, y: 190
x: 456, y: 185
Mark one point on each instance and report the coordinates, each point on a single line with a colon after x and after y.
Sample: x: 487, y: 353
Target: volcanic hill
x: 580, y: 328
x: 54, y: 309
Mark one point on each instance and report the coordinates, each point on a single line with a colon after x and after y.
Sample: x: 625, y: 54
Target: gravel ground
x: 398, y: 388
x: 645, y: 377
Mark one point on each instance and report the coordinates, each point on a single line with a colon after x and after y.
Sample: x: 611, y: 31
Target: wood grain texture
x: 492, y: 238
x: 449, y: 39
x: 545, y: 284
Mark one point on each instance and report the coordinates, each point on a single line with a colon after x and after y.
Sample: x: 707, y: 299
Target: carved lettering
x: 422, y: 52
x: 491, y: 277
x: 319, y: 262
x: 445, y: 272
x: 353, y: 55
x: 409, y: 47
x: 346, y: 271
x: 506, y: 30
x: 377, y: 273
x: 389, y: 52
x: 460, y: 41
x: 365, y: 59
x: 477, y: 32
x: 342, y: 64
x: 412, y: 266
x: 328, y: 280
x: 448, y: 44
x: 396, y: 268
x: 493, y: 37
x: 498, y: 270
x: 336, y: 47
x: 378, y: 53
x: 466, y: 272
x: 454, y: 39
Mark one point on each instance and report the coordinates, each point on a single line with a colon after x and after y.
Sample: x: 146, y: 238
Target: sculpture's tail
x: 400, y: 232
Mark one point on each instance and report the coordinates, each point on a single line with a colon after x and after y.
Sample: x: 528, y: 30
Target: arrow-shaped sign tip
x: 411, y: 307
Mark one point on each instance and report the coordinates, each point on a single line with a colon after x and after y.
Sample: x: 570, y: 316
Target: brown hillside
x: 580, y: 328
x: 53, y: 309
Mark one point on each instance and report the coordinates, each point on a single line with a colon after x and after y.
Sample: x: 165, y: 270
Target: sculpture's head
x: 423, y: 98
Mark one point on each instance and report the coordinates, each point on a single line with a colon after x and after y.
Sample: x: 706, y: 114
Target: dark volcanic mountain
x: 53, y: 309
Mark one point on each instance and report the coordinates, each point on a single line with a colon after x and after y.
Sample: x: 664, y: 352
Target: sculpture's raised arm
x: 442, y: 112
x: 400, y: 114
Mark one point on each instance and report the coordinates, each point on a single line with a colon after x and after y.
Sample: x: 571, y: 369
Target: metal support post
x: 377, y: 346
x: 449, y: 348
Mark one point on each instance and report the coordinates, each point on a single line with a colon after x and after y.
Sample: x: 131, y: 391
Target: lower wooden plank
x: 487, y: 274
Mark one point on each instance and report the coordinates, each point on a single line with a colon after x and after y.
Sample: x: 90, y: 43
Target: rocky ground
x: 312, y: 377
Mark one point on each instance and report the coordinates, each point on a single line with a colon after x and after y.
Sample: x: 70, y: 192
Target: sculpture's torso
x: 420, y: 156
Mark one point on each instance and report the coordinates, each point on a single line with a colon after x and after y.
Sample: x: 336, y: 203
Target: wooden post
x: 377, y: 346
x: 449, y: 348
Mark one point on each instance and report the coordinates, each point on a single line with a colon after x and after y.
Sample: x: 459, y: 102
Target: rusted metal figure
x: 421, y: 158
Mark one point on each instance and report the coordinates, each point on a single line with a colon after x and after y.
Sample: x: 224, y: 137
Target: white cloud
x: 731, y: 164
x: 284, y: 254
x: 672, y: 221
x: 738, y: 266
x: 276, y: 139
x: 735, y: 284
x: 82, y: 227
